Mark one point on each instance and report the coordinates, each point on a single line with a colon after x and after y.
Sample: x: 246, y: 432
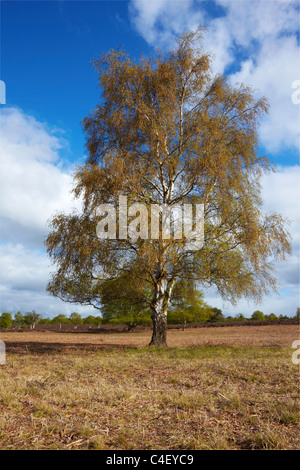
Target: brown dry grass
x: 212, y: 389
x: 268, y: 335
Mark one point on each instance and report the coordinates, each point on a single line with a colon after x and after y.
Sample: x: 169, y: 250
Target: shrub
x: 258, y: 315
x: 6, y: 320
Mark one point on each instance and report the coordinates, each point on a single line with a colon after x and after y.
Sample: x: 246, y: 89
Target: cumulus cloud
x: 260, y: 20
x: 35, y: 183
x: 272, y: 72
x: 23, y: 268
x: 14, y: 300
x: 280, y: 192
x: 252, y: 42
x: 159, y: 21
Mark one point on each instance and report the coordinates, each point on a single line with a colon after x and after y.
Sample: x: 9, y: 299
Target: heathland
x: 213, y: 388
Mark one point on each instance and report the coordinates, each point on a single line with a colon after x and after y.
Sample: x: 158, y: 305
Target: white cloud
x: 271, y: 72
x: 23, y: 268
x: 259, y: 20
x: 159, y: 21
x: 280, y: 193
x: 257, y: 38
x: 34, y: 185
x: 33, y: 182
x: 14, y: 300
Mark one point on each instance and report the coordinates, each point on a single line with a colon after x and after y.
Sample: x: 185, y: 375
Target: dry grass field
x: 213, y: 388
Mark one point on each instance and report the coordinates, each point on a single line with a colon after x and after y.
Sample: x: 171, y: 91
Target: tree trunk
x: 159, y: 310
x: 159, y: 333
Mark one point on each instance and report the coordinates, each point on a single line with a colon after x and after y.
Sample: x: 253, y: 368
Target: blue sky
x: 46, y: 49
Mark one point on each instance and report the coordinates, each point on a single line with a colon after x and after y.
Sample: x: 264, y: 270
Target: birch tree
x: 167, y: 131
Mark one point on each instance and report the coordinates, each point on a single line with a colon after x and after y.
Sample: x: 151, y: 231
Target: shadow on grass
x: 34, y: 347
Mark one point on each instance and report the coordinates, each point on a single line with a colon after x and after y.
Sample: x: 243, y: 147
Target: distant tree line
x: 30, y: 319
x: 196, y: 312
